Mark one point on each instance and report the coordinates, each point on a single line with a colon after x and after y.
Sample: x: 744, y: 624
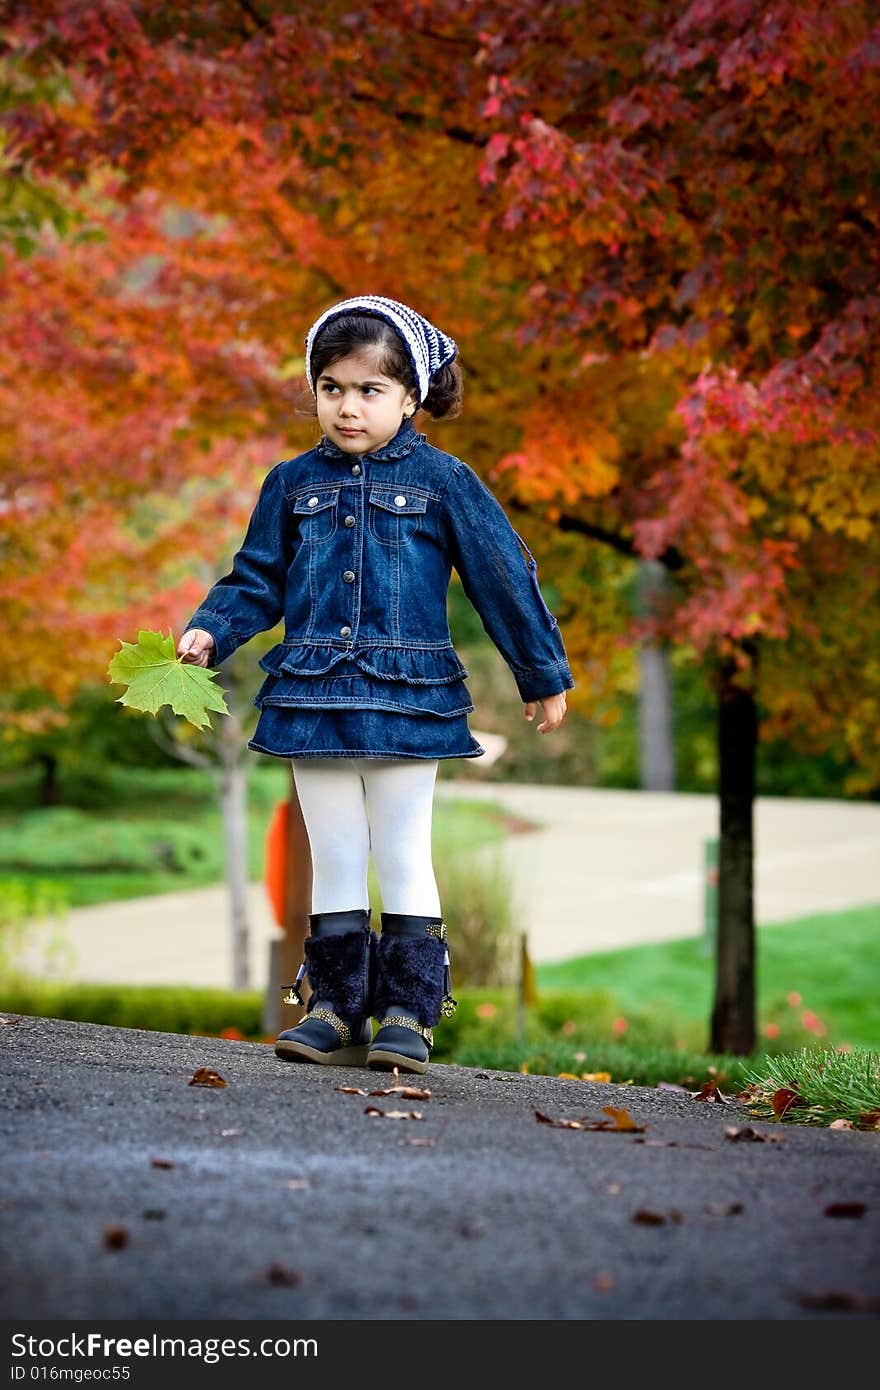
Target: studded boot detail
x: 340, y: 965
x: 413, y: 991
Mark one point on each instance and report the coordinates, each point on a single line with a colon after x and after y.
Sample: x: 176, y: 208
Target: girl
x: 352, y: 544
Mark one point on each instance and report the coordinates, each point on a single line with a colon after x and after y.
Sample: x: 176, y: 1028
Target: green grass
x: 830, y: 960
x: 818, y: 1087
x: 141, y: 831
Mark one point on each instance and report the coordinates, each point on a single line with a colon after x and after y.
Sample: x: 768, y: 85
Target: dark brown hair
x: 356, y: 331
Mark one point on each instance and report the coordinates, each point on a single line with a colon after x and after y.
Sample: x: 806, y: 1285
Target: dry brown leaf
x: 671, y: 1144
x: 603, y: 1282
x: 204, y: 1076
x: 405, y: 1092
x: 841, y: 1124
x: 115, y: 1238
x: 394, y: 1114
x: 870, y: 1120
x: 8, y: 1022
x: 620, y: 1122
x: 840, y: 1301
x: 283, y: 1275
x: 784, y: 1099
x: 645, y: 1217
x: 603, y: 1076
x: 740, y: 1132
x: 709, y: 1092
x: 623, y: 1120
x: 846, y: 1209
x: 353, y: 1090
x: 161, y: 1163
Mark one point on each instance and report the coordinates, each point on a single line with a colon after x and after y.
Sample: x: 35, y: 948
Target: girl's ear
x: 410, y: 406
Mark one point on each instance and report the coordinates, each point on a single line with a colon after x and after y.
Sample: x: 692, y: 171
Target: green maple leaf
x: 155, y: 676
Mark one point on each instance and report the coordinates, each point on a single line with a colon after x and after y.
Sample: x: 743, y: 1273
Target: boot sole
x: 382, y: 1060
x: 341, y: 1057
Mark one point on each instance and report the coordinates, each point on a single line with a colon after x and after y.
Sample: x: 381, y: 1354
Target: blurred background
x: 652, y: 230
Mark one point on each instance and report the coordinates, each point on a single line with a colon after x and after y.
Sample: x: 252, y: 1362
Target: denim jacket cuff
x: 543, y: 681
x: 226, y: 640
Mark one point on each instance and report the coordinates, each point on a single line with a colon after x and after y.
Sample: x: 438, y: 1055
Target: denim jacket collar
x: 403, y: 443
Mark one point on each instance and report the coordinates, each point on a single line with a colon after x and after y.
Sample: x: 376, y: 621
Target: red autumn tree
x: 660, y: 213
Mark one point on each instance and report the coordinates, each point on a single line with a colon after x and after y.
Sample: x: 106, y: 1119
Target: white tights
x: 353, y: 805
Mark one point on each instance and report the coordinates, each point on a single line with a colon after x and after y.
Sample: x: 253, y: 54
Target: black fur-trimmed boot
x: 340, y: 963
x: 413, y: 984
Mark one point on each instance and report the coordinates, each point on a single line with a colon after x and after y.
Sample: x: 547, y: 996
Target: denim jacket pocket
x: 317, y: 513
x: 394, y: 515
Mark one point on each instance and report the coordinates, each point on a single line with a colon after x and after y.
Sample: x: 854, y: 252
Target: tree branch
x: 671, y: 558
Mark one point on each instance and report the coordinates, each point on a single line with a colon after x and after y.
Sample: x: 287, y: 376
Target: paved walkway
x: 130, y: 1194
x: 604, y: 869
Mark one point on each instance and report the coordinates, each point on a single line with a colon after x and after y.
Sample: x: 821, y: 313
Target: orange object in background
x: 275, y: 872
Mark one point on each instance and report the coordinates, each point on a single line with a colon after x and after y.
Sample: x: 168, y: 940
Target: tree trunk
x: 234, y: 801
x: 656, y: 746
x: 50, y: 793
x: 733, y: 1014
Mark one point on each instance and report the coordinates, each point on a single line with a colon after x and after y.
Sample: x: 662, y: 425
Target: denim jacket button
x: 313, y: 502
x: 400, y: 500
x: 345, y: 632
x: 348, y: 576
x: 351, y: 521
x: 356, y: 469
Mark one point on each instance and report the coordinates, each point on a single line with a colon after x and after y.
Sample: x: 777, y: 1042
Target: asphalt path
x: 128, y: 1193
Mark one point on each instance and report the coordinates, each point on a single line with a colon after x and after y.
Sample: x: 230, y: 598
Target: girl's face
x: 359, y: 408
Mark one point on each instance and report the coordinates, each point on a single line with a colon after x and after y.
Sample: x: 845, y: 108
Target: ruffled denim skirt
x: 347, y: 713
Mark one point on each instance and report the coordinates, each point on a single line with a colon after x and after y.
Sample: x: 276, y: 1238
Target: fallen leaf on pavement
x: 283, y: 1275
x: 645, y: 1217
x: 115, y: 1238
x: 394, y: 1114
x: 621, y: 1122
x: 846, y: 1209
x: 603, y: 1282
x: 870, y: 1120
x: 709, y: 1092
x: 739, y: 1132
x: 204, y: 1076
x: 670, y: 1144
x: 353, y: 1090
x: 161, y: 1163
x: 841, y: 1124
x: 9, y: 1021
x: 405, y: 1092
x: 839, y: 1301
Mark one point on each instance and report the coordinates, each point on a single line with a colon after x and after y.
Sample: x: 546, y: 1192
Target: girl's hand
x: 196, y: 646
x: 554, y: 707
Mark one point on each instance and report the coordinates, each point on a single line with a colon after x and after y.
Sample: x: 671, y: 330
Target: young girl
x: 352, y: 544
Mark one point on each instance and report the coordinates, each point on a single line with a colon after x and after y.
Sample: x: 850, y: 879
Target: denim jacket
x: 355, y: 554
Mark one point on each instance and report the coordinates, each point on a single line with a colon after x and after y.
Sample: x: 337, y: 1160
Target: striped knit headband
x: 426, y: 347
